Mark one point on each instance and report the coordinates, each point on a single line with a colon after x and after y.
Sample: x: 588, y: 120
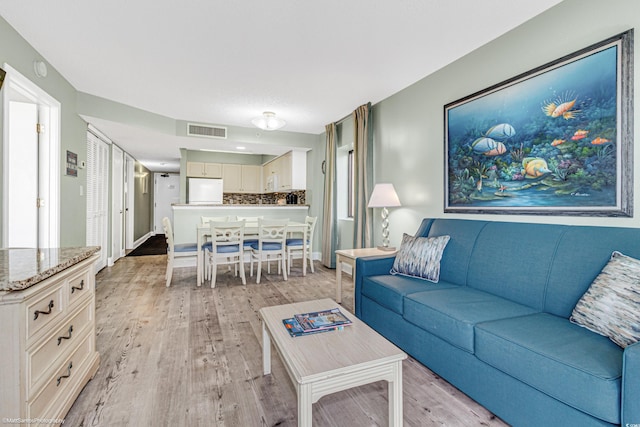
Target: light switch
x: 81, y: 190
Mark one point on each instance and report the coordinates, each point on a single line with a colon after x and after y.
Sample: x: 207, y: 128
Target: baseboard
x: 143, y: 239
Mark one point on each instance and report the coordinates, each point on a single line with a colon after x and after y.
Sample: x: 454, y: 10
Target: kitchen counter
x: 24, y: 267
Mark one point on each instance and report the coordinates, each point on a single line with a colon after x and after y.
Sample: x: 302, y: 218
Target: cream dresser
x: 47, y: 332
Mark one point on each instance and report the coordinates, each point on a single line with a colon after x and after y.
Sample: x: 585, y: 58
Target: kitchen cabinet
x: 290, y: 170
x: 204, y: 170
x: 241, y: 178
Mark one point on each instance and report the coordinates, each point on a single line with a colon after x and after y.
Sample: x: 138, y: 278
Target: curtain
x: 329, y: 224
x: 363, y: 157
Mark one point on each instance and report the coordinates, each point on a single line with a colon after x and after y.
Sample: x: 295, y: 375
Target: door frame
x: 117, y: 210
x: 19, y: 88
x: 129, y: 201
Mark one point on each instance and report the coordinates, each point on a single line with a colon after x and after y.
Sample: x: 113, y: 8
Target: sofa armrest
x: 631, y: 386
x: 371, y: 266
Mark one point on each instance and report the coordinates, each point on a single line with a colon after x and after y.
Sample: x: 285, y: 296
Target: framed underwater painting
x: 557, y: 140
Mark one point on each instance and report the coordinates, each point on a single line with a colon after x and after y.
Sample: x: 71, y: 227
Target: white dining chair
x: 174, y: 251
x: 227, y: 248
x: 296, y: 244
x: 271, y: 245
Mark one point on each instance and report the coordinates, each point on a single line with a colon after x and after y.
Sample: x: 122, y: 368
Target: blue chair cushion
x: 451, y: 314
x: 563, y: 360
x: 267, y: 246
x: 248, y: 243
x: 185, y: 247
x: 227, y: 249
x: 295, y: 242
x: 389, y: 291
x: 207, y: 246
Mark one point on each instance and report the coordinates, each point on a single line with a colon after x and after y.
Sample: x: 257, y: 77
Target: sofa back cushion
x: 463, y: 235
x: 513, y: 260
x: 582, y: 253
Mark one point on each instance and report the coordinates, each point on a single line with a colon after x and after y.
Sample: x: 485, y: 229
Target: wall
x: 15, y: 51
x: 409, y: 126
x: 143, y: 202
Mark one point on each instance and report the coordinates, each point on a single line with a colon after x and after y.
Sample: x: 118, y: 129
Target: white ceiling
x: 224, y: 62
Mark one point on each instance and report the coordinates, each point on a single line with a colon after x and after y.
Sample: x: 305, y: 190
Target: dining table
x: 250, y: 233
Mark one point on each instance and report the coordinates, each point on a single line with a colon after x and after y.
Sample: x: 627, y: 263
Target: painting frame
x: 568, y: 156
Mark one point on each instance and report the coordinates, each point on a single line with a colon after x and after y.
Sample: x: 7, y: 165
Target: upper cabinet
x: 204, y: 170
x: 287, y: 172
x: 241, y: 178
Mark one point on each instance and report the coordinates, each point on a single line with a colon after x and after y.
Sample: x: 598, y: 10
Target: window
x: 351, y: 201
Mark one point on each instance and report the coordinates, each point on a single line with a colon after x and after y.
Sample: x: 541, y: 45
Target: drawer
x: 42, y: 311
x: 41, y: 360
x: 79, y: 286
x: 62, y: 382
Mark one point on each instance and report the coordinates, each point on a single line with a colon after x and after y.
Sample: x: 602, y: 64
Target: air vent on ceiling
x: 206, y: 131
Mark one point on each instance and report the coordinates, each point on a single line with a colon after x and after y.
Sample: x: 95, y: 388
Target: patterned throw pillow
x: 611, y: 305
x: 420, y: 257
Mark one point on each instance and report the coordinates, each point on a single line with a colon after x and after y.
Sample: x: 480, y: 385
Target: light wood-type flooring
x: 189, y: 356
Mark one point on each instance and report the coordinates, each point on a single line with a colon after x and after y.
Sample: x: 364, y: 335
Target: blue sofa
x: 496, y: 324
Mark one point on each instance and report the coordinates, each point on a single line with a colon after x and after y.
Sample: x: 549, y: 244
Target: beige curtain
x: 329, y: 224
x: 363, y: 155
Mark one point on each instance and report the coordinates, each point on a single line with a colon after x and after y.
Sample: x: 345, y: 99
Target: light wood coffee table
x: 324, y: 363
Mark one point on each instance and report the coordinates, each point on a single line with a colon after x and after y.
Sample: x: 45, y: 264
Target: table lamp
x: 384, y: 196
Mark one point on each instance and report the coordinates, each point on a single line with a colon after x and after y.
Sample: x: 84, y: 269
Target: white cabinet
x: 241, y: 178
x: 290, y: 169
x: 206, y: 170
x: 48, y: 343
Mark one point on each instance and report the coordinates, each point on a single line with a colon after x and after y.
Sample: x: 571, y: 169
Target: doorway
x: 166, y: 191
x: 117, y: 203
x: 31, y: 168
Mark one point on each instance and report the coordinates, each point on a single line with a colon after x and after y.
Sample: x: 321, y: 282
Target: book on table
x: 317, y: 321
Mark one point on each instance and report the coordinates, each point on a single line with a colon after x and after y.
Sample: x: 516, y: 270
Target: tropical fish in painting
x: 488, y: 147
x: 557, y: 109
x: 599, y: 141
x: 557, y: 142
x: 579, y: 134
x: 535, y: 167
x: 501, y: 131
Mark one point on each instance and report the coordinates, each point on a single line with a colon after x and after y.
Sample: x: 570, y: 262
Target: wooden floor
x: 189, y: 356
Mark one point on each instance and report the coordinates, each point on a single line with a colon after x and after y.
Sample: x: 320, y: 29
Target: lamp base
x: 387, y: 248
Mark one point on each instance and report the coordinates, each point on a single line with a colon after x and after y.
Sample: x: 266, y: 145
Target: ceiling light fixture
x: 268, y: 121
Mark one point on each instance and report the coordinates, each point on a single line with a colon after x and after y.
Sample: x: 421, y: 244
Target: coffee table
x: 325, y: 363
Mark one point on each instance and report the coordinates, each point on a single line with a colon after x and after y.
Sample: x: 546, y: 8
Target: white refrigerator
x: 204, y: 191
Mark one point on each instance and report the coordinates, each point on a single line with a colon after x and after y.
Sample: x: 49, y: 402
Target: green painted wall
x: 142, y: 202
x: 16, y: 52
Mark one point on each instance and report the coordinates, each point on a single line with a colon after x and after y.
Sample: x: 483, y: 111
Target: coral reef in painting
x: 548, y: 141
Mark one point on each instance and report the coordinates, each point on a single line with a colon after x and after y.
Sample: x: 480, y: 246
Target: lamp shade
x: 384, y: 196
x: 268, y: 121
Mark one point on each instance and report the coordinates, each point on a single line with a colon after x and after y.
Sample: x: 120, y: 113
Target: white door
x: 117, y: 203
x: 129, y: 200
x: 166, y: 191
x: 30, y: 164
x: 98, y: 195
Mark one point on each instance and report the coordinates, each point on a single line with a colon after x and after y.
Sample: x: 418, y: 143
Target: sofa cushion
x: 451, y: 314
x: 563, y: 360
x: 420, y: 257
x: 389, y: 291
x: 611, y: 305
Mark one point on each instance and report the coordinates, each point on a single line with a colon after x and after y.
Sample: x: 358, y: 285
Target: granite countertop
x: 24, y: 267
x: 264, y: 205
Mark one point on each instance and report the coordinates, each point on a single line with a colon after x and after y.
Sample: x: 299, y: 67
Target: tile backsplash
x: 260, y: 199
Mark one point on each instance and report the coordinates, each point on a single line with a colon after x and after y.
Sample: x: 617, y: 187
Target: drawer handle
x: 65, y: 376
x: 37, y: 312
x: 74, y: 288
x: 66, y: 338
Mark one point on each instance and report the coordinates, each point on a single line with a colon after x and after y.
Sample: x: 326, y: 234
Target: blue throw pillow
x: 420, y: 257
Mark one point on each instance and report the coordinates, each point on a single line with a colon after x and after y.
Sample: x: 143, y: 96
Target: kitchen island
x: 187, y: 217
x: 48, y: 335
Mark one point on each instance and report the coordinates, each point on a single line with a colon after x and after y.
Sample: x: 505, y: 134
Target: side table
x: 349, y: 256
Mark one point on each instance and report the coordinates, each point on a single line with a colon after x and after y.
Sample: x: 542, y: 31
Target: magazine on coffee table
x: 317, y: 321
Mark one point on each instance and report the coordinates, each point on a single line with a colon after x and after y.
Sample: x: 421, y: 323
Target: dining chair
x: 207, y: 219
x: 295, y: 244
x: 206, y: 246
x: 227, y: 248
x: 272, y: 236
x: 174, y: 251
